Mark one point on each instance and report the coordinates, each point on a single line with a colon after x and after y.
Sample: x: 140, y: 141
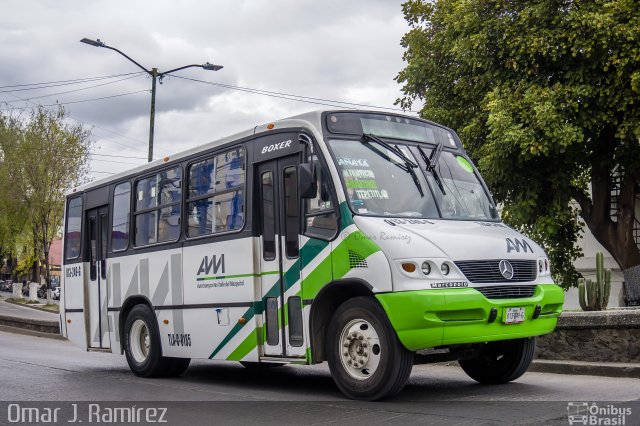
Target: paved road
x: 38, y: 369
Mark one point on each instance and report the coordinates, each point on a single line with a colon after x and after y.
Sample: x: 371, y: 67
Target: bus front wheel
x: 501, y: 361
x: 366, y: 359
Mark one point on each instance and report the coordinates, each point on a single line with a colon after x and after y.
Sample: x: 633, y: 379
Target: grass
x: 48, y: 307
x: 51, y: 307
x: 23, y: 301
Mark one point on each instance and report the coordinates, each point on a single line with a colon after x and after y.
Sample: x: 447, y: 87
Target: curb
x: 27, y: 332
x: 583, y: 368
x: 29, y: 324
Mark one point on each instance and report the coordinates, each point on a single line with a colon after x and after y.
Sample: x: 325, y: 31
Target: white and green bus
x: 363, y: 239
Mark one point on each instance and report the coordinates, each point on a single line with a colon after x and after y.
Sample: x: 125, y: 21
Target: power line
x: 115, y: 161
x: 86, y: 123
x: 65, y: 82
x: 73, y: 91
x: 82, y: 100
x: 292, y: 97
x: 96, y: 99
x: 118, y: 156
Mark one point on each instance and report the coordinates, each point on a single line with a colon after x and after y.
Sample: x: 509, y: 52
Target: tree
x: 545, y: 94
x: 63, y: 152
x: 44, y: 157
x: 12, y: 212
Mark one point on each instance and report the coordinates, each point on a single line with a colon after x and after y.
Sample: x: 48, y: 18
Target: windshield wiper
x: 408, y: 165
x: 431, y: 164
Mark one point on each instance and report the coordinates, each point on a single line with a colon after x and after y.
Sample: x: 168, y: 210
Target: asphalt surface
x: 38, y: 369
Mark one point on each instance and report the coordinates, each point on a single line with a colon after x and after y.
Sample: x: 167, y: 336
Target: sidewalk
x: 11, y: 310
x: 23, y: 320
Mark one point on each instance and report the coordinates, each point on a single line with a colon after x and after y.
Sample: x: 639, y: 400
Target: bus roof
x: 301, y: 120
x: 311, y: 119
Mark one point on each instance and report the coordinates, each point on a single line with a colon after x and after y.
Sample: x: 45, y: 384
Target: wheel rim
x: 139, y: 341
x: 360, y: 349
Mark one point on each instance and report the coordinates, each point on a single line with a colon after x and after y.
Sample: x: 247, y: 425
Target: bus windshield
x: 376, y: 186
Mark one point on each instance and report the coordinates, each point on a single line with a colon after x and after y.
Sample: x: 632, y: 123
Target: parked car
x: 8, y: 285
x: 55, y: 293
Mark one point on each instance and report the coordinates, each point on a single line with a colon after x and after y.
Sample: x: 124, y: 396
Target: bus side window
x: 158, y: 201
x: 320, y: 219
x: 215, y: 197
x: 268, y: 216
x: 121, y: 208
x: 74, y: 226
x: 291, y: 212
x: 93, y: 250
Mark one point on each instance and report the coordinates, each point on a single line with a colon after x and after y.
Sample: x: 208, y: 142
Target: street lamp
x: 153, y: 72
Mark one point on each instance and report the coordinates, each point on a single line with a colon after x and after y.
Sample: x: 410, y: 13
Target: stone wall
x: 605, y: 336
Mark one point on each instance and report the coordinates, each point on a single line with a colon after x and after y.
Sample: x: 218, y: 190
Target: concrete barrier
x: 31, y: 327
x: 610, y: 336
x: 33, y: 291
x: 17, y: 290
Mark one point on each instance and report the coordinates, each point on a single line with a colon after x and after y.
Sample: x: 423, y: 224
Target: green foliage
x: 594, y: 295
x: 544, y: 96
x: 41, y: 157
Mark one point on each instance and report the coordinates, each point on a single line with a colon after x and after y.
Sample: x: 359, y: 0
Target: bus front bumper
x: 429, y: 318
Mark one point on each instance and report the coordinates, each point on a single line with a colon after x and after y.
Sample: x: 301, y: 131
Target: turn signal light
x: 409, y: 267
x: 270, y: 126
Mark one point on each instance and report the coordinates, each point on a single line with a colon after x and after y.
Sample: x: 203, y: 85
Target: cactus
x: 594, y: 295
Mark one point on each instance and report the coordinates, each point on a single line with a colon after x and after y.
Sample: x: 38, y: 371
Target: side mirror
x: 307, y: 184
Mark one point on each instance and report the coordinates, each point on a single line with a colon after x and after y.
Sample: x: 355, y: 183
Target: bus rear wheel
x: 501, y: 361
x: 366, y: 359
x: 143, y: 349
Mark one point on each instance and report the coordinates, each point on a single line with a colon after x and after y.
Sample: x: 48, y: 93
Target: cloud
x: 342, y: 50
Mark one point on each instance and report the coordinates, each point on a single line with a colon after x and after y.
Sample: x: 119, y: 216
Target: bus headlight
x: 426, y: 268
x: 444, y: 268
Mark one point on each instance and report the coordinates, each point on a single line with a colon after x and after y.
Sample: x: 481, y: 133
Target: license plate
x: 513, y: 315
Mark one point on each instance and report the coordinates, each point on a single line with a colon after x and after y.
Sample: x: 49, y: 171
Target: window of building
x: 74, y: 228
x: 216, y: 194
x: 121, y: 208
x: 158, y: 200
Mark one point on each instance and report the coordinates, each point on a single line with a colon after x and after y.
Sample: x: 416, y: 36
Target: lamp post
x: 153, y: 72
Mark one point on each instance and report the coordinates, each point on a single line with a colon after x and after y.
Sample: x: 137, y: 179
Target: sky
x: 347, y: 51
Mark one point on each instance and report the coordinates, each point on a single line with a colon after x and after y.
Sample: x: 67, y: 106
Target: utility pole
x: 153, y: 72
x: 152, y: 119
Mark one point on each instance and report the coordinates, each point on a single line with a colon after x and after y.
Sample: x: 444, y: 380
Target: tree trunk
x: 616, y: 237
x: 632, y: 292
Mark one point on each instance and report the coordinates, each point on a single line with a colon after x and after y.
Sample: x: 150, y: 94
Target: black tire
x: 260, y: 365
x: 154, y: 365
x: 500, y: 362
x: 395, y: 361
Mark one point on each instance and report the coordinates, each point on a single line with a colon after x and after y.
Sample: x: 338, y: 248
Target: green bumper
x: 429, y: 318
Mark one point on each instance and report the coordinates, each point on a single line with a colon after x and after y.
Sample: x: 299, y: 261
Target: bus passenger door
x: 96, y: 300
x: 279, y: 218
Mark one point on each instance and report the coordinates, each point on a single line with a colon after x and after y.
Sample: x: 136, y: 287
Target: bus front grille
x: 507, y: 291
x: 488, y: 271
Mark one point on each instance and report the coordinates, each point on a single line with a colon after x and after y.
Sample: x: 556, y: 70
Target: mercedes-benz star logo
x: 506, y: 269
